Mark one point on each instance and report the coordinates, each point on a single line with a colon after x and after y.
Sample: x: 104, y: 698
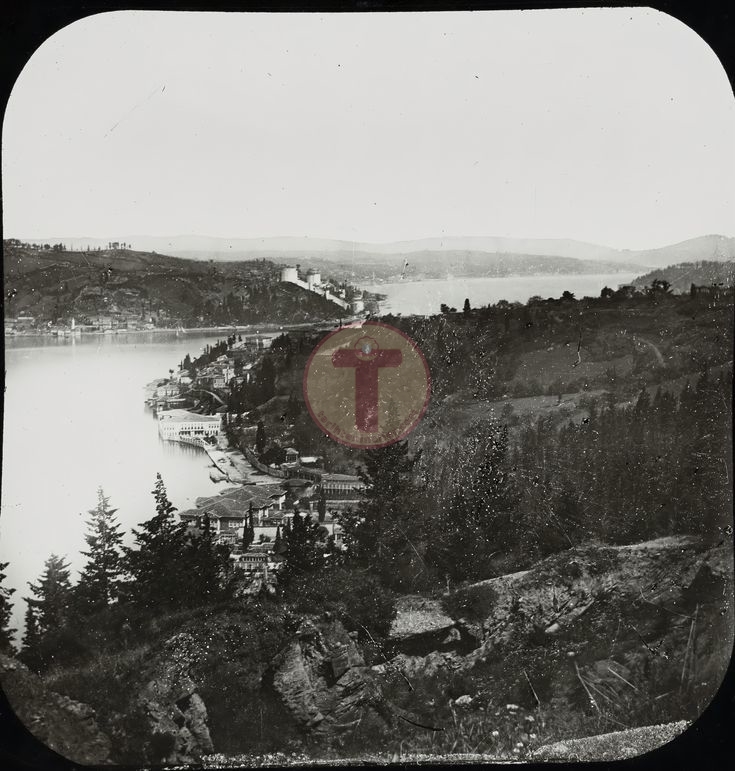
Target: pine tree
x: 52, y: 594
x: 156, y: 563
x: 100, y: 579
x: 322, y: 506
x: 6, y: 609
x: 564, y: 523
x: 47, y: 612
x: 206, y: 564
x: 30, y: 648
x: 387, y: 532
x: 475, y: 520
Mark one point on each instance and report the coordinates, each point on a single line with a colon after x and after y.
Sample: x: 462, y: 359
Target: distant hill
x: 413, y: 266
x: 429, y: 257
x: 712, y: 248
x: 682, y: 276
x: 227, y: 247
x: 143, y: 286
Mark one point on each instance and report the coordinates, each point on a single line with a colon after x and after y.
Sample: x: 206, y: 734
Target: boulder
x: 418, y: 616
x: 321, y: 677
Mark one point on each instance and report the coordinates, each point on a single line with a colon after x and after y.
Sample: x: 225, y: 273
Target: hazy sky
x: 613, y: 126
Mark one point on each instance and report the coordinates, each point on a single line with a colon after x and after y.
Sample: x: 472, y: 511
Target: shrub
x: 356, y: 598
x: 475, y: 602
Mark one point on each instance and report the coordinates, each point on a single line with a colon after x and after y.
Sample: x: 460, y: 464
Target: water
x: 75, y: 420
x: 424, y: 298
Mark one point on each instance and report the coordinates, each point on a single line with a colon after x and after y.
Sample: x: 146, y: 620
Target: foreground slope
x: 586, y: 641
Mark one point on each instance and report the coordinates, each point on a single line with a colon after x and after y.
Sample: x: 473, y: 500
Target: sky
x: 613, y: 126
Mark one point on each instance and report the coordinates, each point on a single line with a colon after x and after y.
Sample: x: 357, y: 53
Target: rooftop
x: 341, y: 478
x: 217, y: 510
x: 181, y: 416
x: 240, y: 498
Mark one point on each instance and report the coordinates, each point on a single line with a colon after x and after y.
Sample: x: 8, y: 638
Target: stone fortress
x: 313, y: 283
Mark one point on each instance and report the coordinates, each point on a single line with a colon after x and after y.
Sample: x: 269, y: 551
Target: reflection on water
x: 75, y: 420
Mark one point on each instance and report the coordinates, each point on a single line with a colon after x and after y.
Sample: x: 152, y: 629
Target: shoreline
x: 270, y: 326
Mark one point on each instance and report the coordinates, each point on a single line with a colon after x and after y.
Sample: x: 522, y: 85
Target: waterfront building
x: 25, y: 322
x: 167, y: 390
x: 181, y: 425
x: 342, y: 486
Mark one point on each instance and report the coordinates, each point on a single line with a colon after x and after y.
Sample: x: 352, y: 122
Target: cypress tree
x: 260, y: 438
x: 248, y: 532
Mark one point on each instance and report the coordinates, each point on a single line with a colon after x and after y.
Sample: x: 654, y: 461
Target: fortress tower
x: 289, y: 274
x: 313, y: 279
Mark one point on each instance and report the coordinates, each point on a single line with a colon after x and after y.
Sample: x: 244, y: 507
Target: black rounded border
x: 25, y: 24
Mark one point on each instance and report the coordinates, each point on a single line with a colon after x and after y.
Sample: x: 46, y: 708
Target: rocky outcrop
x: 68, y: 727
x: 422, y: 626
x: 654, y: 580
x: 322, y: 679
x: 417, y: 616
x: 176, y: 714
x: 430, y: 665
x: 613, y: 746
x: 593, y: 625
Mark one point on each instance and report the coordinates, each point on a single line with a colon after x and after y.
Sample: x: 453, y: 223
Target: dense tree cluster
x: 389, y: 533
x: 474, y: 520
x: 169, y: 567
x: 625, y: 473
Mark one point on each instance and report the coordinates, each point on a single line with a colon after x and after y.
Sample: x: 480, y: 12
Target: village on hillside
x: 61, y: 292
x: 274, y: 485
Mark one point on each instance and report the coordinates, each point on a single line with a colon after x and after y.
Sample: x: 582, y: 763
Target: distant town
x: 273, y: 484
x: 52, y: 290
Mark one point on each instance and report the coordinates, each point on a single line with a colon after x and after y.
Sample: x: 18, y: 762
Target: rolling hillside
x: 682, y: 276
x: 152, y: 288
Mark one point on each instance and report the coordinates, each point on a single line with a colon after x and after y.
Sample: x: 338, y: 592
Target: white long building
x: 182, y: 425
